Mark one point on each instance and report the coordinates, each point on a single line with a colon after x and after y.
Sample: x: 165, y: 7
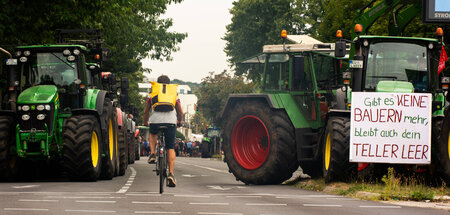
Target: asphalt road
x: 203, y: 187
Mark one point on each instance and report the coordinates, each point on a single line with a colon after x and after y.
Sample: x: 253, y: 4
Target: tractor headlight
x: 40, y: 117
x: 26, y: 53
x: 70, y: 58
x: 66, y: 52
x: 40, y: 107
x: 76, y: 52
x: 25, y: 108
x: 23, y: 59
x: 47, y: 107
x: 18, y: 53
x: 25, y: 117
x: 19, y: 108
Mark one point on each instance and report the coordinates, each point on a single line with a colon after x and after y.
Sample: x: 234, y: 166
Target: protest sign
x: 390, y: 128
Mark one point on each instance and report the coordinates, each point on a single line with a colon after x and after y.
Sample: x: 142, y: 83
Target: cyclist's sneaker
x: 171, y: 180
x: 152, y: 158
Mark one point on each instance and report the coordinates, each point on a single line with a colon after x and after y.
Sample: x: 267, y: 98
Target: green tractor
x: 210, y: 142
x: 53, y: 111
x: 267, y: 135
x: 390, y: 67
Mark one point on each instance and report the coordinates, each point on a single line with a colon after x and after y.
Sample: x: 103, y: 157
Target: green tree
x: 214, y: 91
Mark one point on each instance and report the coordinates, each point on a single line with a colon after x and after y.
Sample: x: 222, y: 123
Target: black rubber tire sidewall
x: 281, y: 161
x: 443, y: 160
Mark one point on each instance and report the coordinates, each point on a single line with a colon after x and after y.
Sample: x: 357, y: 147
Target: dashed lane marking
x: 243, y: 196
x: 264, y: 204
x: 156, y: 212
x: 319, y: 205
x: 379, y: 206
x: 25, y: 209
x: 37, y: 200
x: 304, y: 196
x: 89, y: 211
x: 86, y: 201
x: 192, y: 196
x: 217, y: 213
x: 25, y: 186
x: 209, y: 203
x: 142, y: 194
x: 153, y: 203
x: 130, y: 181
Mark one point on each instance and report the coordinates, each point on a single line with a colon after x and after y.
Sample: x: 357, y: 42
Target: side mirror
x: 340, y: 48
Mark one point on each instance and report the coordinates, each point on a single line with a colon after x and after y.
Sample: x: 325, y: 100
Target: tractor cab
x: 59, y: 67
x: 397, y: 64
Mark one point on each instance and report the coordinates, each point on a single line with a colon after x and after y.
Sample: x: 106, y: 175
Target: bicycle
x: 161, y: 161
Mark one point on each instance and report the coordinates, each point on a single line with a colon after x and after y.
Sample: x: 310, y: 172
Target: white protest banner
x: 390, y: 128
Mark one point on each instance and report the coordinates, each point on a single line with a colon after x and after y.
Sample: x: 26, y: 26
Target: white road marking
x: 208, y: 203
x: 86, y: 201
x: 243, y: 196
x: 25, y: 186
x: 319, y: 205
x: 90, y: 211
x: 83, y: 197
x: 193, y: 196
x: 25, y: 209
x: 188, y: 176
x: 130, y: 181
x: 205, y: 167
x: 305, y: 196
x: 156, y: 212
x: 37, y: 200
x: 264, y: 204
x: 379, y: 206
x: 215, y: 213
x: 154, y: 203
x: 142, y: 194
x: 218, y: 188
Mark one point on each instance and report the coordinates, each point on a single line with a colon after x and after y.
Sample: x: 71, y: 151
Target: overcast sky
x: 202, y: 51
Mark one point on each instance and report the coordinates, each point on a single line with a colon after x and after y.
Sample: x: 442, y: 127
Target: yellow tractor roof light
x: 339, y: 34
x: 283, y: 34
x: 97, y: 57
x: 358, y: 28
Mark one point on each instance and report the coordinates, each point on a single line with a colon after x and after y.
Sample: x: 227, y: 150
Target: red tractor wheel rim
x: 250, y: 142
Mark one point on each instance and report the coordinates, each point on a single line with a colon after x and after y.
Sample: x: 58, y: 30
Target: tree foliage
x: 131, y: 29
x: 214, y: 91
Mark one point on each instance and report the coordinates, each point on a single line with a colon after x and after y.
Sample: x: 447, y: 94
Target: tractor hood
x: 395, y: 87
x: 38, y: 94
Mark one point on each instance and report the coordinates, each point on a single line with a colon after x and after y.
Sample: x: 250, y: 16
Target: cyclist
x: 167, y: 118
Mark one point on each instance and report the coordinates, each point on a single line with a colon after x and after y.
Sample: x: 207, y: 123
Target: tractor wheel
x: 109, y: 161
x: 121, y: 141
x: 336, y: 165
x: 443, y: 150
x: 259, y: 144
x: 205, y: 150
x: 82, y: 148
x: 8, y: 160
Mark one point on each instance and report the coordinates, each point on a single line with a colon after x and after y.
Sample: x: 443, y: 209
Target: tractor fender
x: 100, y: 100
x: 84, y: 111
x: 120, y: 123
x: 234, y: 98
x: 331, y: 113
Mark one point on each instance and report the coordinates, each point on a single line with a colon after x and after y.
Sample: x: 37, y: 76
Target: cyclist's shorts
x: 170, y: 134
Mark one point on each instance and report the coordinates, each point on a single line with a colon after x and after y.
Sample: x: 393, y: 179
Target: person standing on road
x: 163, y: 118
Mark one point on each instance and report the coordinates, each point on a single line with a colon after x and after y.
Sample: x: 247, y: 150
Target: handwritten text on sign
x: 390, y: 128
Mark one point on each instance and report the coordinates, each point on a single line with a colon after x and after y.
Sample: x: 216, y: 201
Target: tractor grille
x: 33, y: 123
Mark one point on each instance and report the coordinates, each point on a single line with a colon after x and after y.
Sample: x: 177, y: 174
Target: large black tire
x: 110, y: 160
x: 82, y: 148
x: 137, y: 149
x: 123, y: 153
x: 204, y: 148
x: 336, y: 145
x: 8, y: 159
x: 442, y: 150
x: 259, y: 144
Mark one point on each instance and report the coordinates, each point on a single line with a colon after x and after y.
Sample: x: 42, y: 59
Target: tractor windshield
x: 49, y: 68
x: 396, y: 62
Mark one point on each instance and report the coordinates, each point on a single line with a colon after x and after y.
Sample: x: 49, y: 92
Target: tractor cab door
x: 302, y: 87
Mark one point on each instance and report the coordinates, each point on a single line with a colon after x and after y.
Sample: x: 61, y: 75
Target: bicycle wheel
x: 162, y: 164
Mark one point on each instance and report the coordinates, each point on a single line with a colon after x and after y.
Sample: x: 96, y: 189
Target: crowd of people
x: 183, y: 148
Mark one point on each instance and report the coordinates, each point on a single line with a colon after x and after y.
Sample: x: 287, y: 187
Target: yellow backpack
x: 163, y: 96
